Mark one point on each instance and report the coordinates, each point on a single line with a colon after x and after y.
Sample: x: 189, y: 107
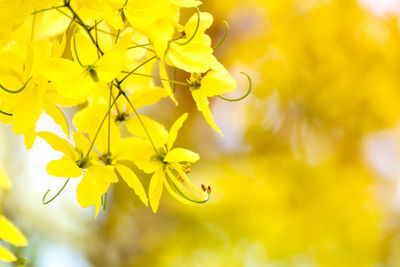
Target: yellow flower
x: 196, y: 53
x: 23, y: 90
x: 168, y: 165
x: 212, y: 84
x: 113, y: 150
x: 96, y: 177
x: 75, y: 79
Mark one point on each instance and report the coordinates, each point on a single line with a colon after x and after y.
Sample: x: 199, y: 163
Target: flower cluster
x: 111, y: 57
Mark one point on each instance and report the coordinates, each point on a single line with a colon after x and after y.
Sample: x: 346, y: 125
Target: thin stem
x: 195, y: 31
x: 141, y: 122
x: 56, y: 195
x: 15, y: 91
x: 97, y: 41
x: 33, y: 26
x: 192, y: 200
x: 109, y: 121
x: 45, y: 9
x: 104, y: 201
x: 117, y: 37
x: 101, y: 124
x: 140, y: 45
x: 225, y: 35
x: 65, y: 14
x: 75, y: 50
x: 158, y: 78
x: 245, y: 95
x: 80, y: 22
x: 5, y: 113
x: 173, y: 79
x: 135, y: 69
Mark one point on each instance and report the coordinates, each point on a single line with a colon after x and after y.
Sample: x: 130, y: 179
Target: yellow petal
x: 112, y: 62
x: 206, y: 20
x: 6, y: 255
x: 95, y: 182
x: 146, y: 97
x: 57, y: 143
x: 166, y: 85
x: 58, y: 116
x: 58, y: 69
x: 190, y: 57
x: 64, y: 168
x: 180, y: 155
x: 30, y: 137
x: 85, y: 50
x: 72, y: 81
x: 4, y: 182
x: 155, y: 189
x: 11, y: 234
x: 142, y: 12
x: 186, y: 3
x: 54, y: 22
x: 202, y: 105
x: 28, y: 109
x: 173, y: 132
x: 76, y: 86
x: 81, y: 142
x: 217, y: 83
x: 155, y: 129
x: 133, y: 182
x: 142, y: 156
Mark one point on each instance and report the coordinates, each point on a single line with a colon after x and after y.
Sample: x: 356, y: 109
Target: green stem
x: 109, y: 121
x: 56, y: 195
x: 80, y: 22
x: 6, y: 113
x: 158, y: 78
x: 75, y: 50
x: 101, y: 124
x: 45, y: 9
x: 141, y: 122
x: 245, y: 95
x: 15, y: 91
x: 195, y: 31
x: 225, y: 35
x: 135, y: 69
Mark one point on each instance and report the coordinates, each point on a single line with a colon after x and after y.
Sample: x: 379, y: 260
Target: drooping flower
x: 96, y: 178
x: 212, y: 84
x: 168, y: 165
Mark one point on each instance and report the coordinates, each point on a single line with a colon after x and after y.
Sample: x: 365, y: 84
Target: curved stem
x: 56, y: 195
x: 195, y: 31
x: 192, y: 200
x: 242, y: 97
x: 6, y: 113
x: 15, y: 91
x: 76, y: 51
x: 225, y: 35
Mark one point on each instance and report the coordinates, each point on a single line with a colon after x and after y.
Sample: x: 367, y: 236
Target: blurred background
x: 308, y: 173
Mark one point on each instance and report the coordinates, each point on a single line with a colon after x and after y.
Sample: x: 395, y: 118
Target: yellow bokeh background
x: 308, y: 173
